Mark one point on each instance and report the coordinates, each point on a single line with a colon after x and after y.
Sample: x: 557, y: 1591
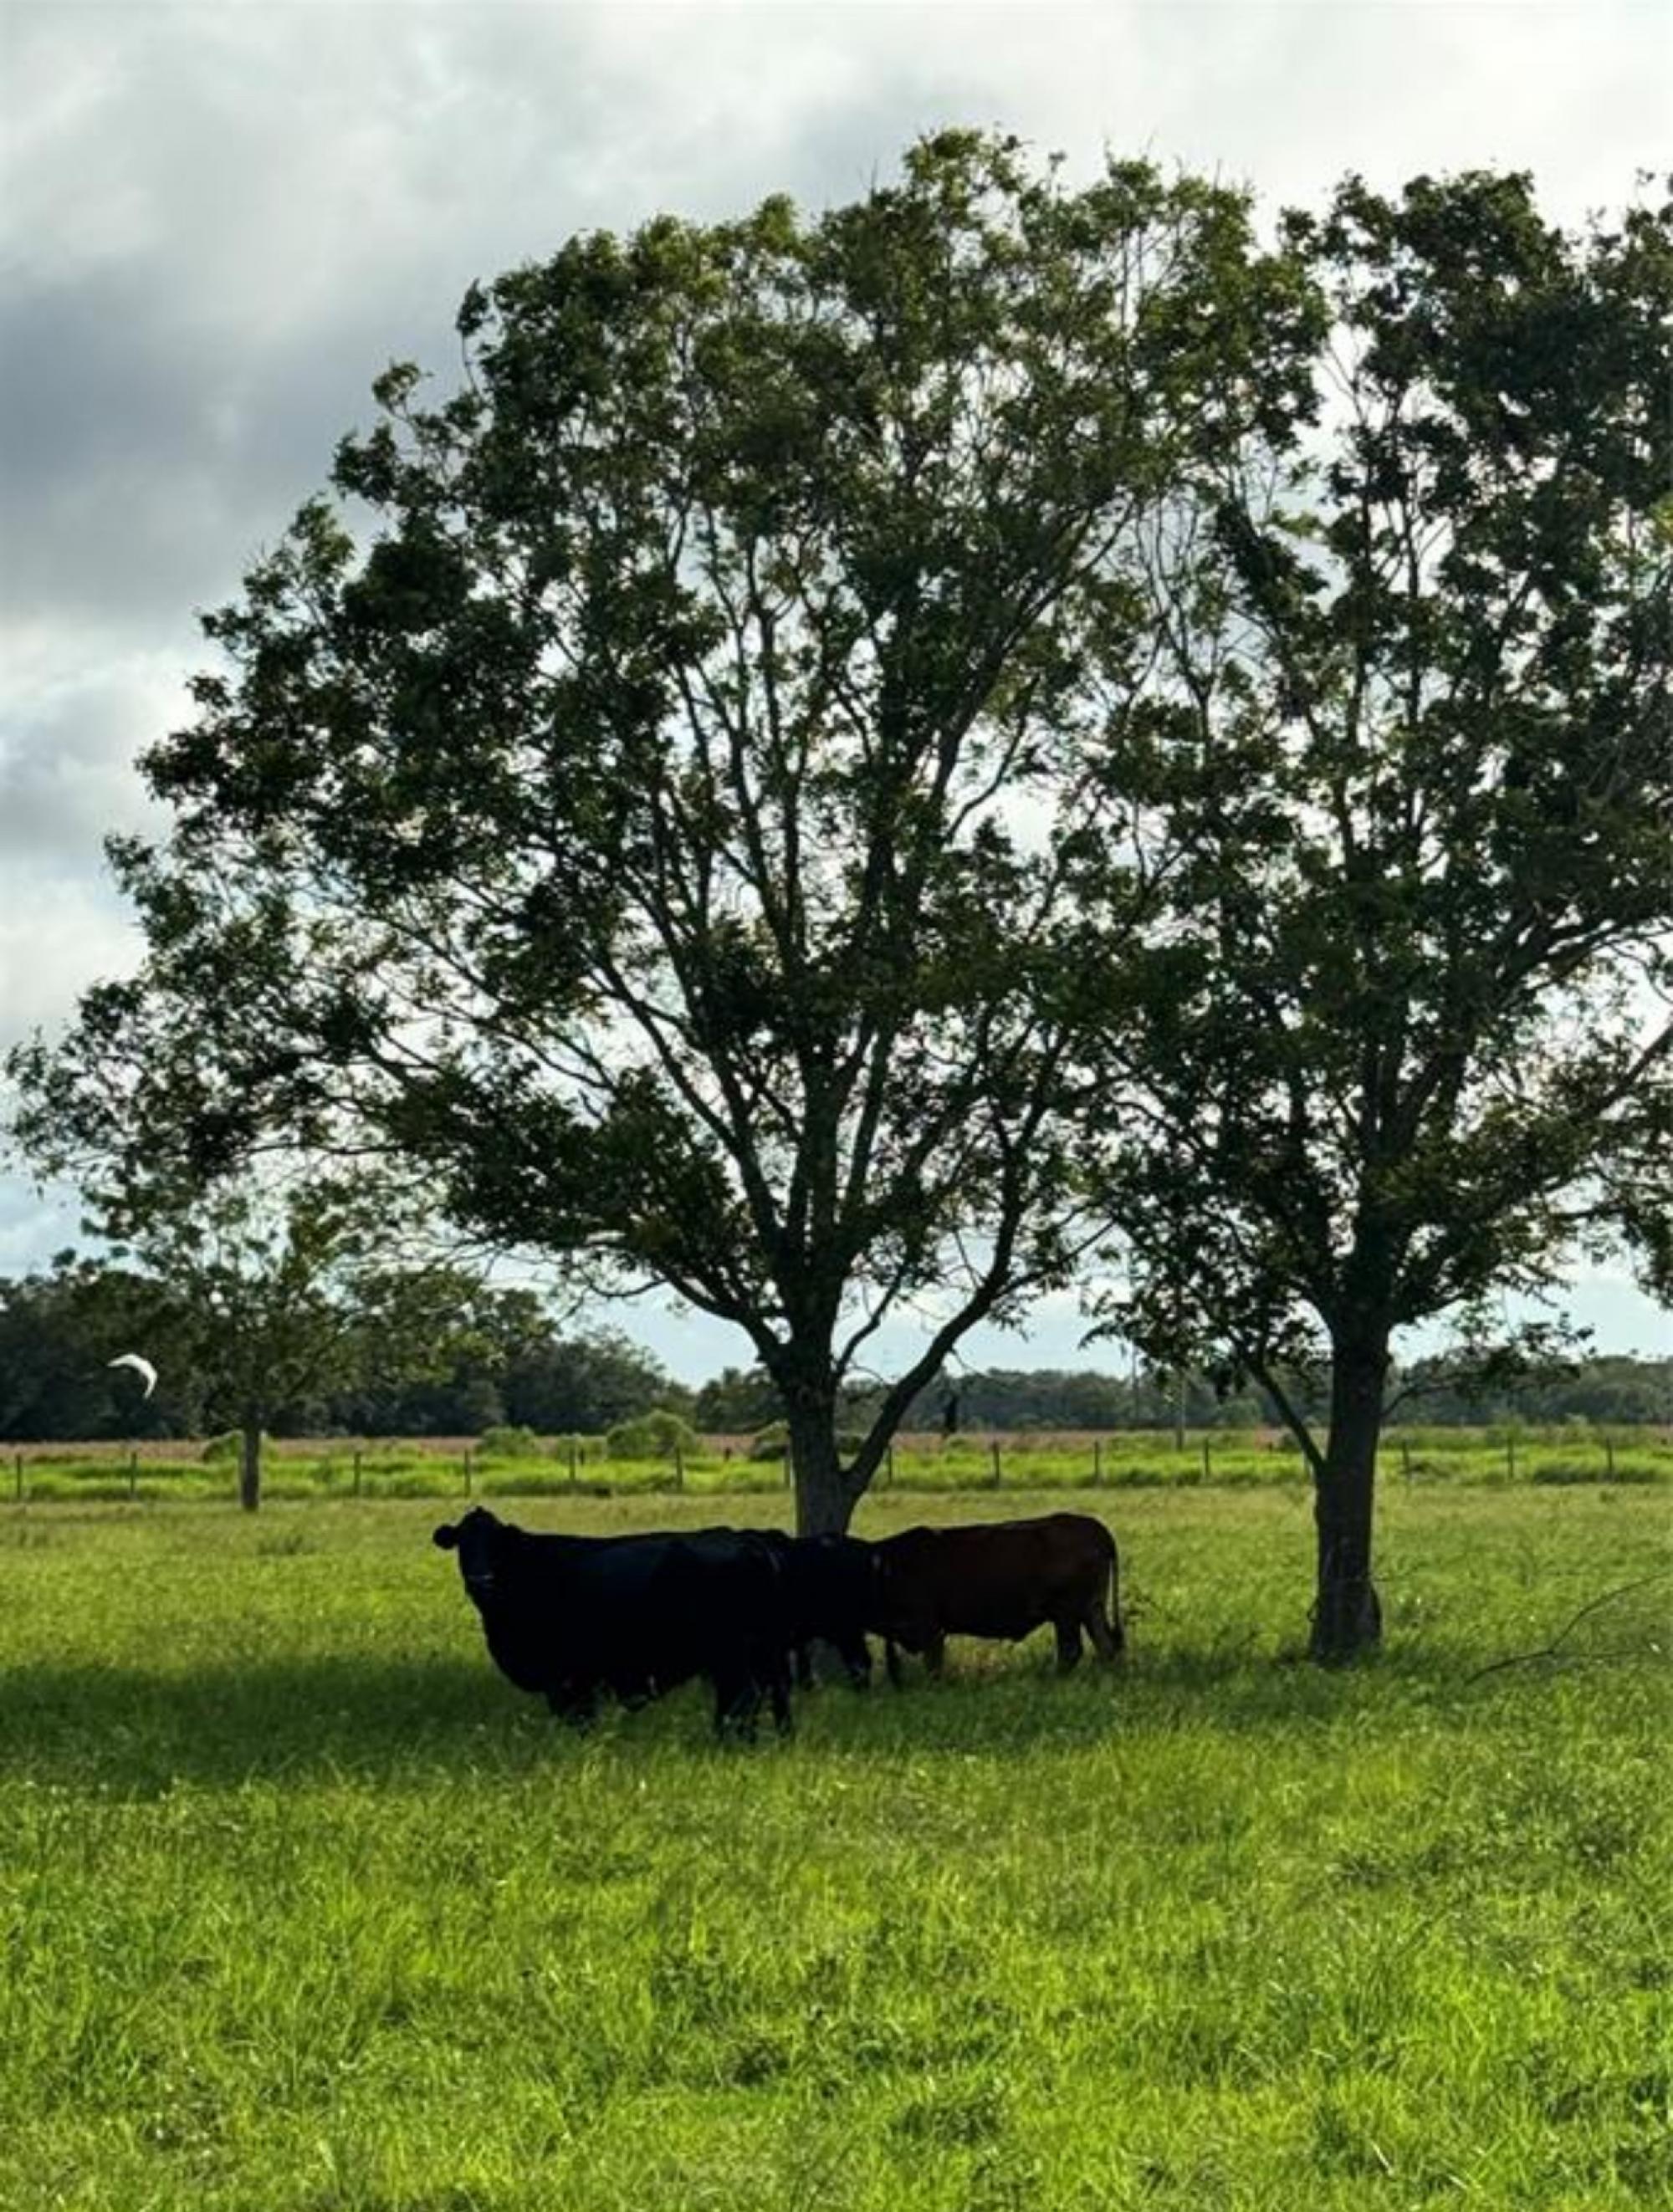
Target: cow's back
x: 1001, y: 1578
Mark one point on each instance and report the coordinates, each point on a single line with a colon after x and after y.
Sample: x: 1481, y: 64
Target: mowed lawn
x: 302, y: 1907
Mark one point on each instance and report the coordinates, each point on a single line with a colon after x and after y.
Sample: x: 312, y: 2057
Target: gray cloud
x: 66, y: 774
x: 218, y: 223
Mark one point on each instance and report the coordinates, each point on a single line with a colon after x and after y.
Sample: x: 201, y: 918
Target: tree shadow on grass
x: 138, y: 1731
x: 1238, y: 1686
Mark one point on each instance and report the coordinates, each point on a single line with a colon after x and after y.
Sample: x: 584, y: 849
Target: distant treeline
x: 1613, y: 1391
x: 1620, y: 1392
x: 58, y: 1329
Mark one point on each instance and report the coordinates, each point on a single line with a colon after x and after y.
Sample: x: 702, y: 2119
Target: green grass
x: 302, y: 1907
x: 1119, y: 1461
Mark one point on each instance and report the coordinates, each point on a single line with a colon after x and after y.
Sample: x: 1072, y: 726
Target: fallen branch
x: 1554, y: 1650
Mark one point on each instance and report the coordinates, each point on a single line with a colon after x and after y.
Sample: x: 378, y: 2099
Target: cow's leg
x: 575, y: 1702
x: 770, y: 1670
x: 737, y: 1698
x: 934, y: 1655
x: 1068, y: 1645
x: 891, y: 1661
x: 804, y: 1666
x: 856, y: 1658
x: 783, y: 1719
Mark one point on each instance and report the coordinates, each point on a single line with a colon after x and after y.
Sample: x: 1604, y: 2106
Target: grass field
x: 562, y: 1467
x: 304, y: 1909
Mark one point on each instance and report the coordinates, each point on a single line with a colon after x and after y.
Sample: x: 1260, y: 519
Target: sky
x: 217, y: 224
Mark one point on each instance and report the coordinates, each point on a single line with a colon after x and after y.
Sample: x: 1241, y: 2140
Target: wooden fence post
x: 465, y: 1464
x: 133, y: 1472
x: 1609, y: 1458
x: 1208, y: 1460
x: 993, y: 1448
x: 356, y: 1473
x: 17, y: 1476
x: 1097, y: 1463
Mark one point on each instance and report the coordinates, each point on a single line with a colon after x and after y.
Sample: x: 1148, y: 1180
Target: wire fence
x: 43, y: 1475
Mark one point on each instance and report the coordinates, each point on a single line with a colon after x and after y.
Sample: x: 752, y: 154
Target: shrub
x: 510, y: 1441
x: 656, y: 1435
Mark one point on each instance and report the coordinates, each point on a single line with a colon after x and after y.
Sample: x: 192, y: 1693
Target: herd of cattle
x: 576, y: 1619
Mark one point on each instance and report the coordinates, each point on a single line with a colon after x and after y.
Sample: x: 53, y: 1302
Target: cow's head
x: 479, y: 1540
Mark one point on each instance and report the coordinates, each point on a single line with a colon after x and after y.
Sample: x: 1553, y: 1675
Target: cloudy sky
x: 218, y: 223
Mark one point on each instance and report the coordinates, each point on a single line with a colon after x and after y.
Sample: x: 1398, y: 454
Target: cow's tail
x: 1117, y: 1632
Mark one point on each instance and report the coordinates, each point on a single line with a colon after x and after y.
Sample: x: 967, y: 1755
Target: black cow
x: 828, y: 1597
x: 571, y: 1618
x: 998, y: 1579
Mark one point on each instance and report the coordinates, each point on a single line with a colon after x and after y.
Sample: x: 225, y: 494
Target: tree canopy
x: 1405, y: 1037
x: 644, y: 793
x: 853, y: 751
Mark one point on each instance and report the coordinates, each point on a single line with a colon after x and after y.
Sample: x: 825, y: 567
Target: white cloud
x: 217, y: 224
x: 67, y: 748
x: 59, y: 934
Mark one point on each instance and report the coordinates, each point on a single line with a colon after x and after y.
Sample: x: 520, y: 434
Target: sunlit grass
x: 576, y: 1468
x: 303, y: 1907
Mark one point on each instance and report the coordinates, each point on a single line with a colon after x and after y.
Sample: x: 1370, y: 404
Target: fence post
x: 1609, y: 1458
x: 1208, y: 1460
x: 572, y: 1462
x: 1097, y: 1463
x: 679, y: 1467
x: 133, y: 1472
x: 467, y: 1464
x: 356, y: 1473
x: 17, y: 1476
x: 993, y: 1448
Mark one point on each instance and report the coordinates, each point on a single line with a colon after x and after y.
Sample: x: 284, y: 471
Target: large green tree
x: 642, y: 792
x: 1404, y: 1038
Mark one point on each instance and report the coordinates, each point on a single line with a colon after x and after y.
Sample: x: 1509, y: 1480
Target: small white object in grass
x: 141, y: 1367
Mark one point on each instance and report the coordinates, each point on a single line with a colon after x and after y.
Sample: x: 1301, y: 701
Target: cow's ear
x: 446, y: 1537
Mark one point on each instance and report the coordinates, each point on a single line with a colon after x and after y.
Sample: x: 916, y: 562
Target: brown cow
x: 1001, y: 1578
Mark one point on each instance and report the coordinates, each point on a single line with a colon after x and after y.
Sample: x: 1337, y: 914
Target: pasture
x: 728, y: 1467
x: 304, y: 1909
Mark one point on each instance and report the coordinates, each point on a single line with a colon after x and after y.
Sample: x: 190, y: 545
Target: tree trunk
x: 823, y: 1498
x: 825, y: 1504
x: 249, y: 1462
x: 1348, y: 1615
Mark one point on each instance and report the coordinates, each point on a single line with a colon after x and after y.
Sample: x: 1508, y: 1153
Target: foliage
x: 635, y: 823
x: 656, y: 1435
x: 736, y: 1400
x: 60, y: 1327
x: 511, y: 1442
x: 283, y: 1291
x: 584, y: 1384
x: 1404, y: 1040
